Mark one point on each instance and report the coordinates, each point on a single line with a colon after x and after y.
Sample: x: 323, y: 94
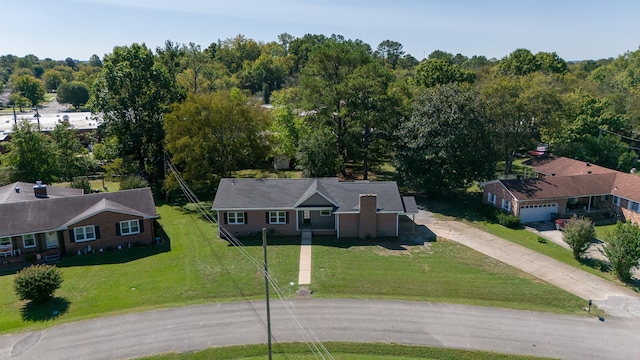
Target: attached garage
x: 537, y: 212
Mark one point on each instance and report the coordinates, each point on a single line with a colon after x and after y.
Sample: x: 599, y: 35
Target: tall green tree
x: 30, y: 88
x: 317, y: 155
x: 445, y: 145
x: 210, y: 135
x: 390, y: 52
x: 69, y: 148
x: 133, y: 92
x: 578, y: 233
x: 518, y: 107
x: 519, y: 62
x: 32, y: 155
x: 432, y: 72
x: 322, y: 86
x: 75, y: 93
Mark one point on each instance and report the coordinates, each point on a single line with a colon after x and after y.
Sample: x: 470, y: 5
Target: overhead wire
x: 310, y: 338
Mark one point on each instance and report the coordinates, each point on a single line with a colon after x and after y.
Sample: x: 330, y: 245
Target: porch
x: 318, y: 220
x: 590, y: 206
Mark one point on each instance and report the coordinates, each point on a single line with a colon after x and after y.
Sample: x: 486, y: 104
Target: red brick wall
x: 256, y: 220
x: 501, y: 193
x: 106, y: 221
x: 387, y: 224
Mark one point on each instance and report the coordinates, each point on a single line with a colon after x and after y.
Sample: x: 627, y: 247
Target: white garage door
x: 537, y: 212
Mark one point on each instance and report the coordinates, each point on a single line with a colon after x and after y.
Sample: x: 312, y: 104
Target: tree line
x: 334, y: 105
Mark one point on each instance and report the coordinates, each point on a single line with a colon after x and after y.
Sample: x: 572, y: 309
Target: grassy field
x: 339, y: 350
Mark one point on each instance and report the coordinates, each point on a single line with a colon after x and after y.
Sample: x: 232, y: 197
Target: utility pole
x: 266, y: 288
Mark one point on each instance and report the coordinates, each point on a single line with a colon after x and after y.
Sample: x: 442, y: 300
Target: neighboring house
x: 564, y: 187
x: 324, y: 205
x: 45, y: 222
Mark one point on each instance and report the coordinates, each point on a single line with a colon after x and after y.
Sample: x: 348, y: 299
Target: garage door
x: 537, y: 212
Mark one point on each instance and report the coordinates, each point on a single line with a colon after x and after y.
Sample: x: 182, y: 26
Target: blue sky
x: 576, y: 30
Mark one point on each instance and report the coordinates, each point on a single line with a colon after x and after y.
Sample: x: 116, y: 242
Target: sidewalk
x: 614, y: 299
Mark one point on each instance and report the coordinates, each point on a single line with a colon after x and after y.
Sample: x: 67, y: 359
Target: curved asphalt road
x: 415, y: 323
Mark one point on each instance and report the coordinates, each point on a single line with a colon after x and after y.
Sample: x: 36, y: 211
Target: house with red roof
x: 564, y: 187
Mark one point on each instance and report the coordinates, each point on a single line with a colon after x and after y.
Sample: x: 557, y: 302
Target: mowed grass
x: 339, y: 350
x: 441, y: 271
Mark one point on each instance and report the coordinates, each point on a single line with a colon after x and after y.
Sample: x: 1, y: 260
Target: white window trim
x: 277, y: 217
x: 616, y: 201
x: 83, y: 230
x: 128, y: 226
x: 506, y: 205
x: 234, y: 219
x: 491, y: 198
x: 325, y: 212
x: 28, y: 236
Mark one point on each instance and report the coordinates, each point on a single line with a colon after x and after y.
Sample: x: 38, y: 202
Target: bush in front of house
x: 508, y: 220
x: 37, y: 283
x: 489, y: 212
x: 578, y: 233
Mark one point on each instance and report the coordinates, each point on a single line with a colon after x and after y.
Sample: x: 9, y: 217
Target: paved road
x: 614, y: 299
x: 414, y: 323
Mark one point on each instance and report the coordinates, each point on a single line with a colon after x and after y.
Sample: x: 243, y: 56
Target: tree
x: 519, y: 106
x: 94, y: 60
x: 434, y: 72
x: 445, y: 145
x: 390, y: 52
x: 30, y: 88
x: 133, y: 92
x: 37, y: 283
x: 578, y: 233
x: 322, y: 86
x: 210, y: 135
x: 75, y: 93
x: 317, y: 155
x: 52, y: 79
x: 32, y: 155
x: 69, y: 147
x: 519, y: 62
x: 623, y: 249
x: 133, y: 182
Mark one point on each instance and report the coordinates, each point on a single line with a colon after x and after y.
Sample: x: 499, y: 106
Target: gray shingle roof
x: 17, y: 218
x: 8, y: 193
x: 261, y: 194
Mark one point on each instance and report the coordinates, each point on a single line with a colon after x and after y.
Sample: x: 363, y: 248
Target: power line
x: 315, y: 345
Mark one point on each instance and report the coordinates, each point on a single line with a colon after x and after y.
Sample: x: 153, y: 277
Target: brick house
x: 46, y: 222
x: 323, y: 205
x: 564, y: 187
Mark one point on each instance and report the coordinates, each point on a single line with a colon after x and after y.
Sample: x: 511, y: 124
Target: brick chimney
x: 367, y: 218
x: 40, y: 190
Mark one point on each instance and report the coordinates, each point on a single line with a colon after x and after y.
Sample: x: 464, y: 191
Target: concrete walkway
x: 614, y: 299
x: 304, y: 275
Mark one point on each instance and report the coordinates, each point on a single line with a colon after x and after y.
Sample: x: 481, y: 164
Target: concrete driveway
x: 614, y: 299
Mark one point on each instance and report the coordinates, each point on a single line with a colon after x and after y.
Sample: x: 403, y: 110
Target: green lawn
x: 339, y: 350
x: 603, y: 230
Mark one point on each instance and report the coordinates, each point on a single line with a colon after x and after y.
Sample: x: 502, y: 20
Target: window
x: 325, y: 212
x: 29, y: 241
x: 5, y: 241
x: 85, y: 233
x: 491, y: 198
x: 235, y: 218
x: 633, y: 206
x: 506, y: 205
x: 129, y: 227
x: 616, y: 201
x: 277, y: 217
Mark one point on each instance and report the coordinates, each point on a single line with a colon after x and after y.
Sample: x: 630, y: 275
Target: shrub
x: 508, y: 220
x: 623, y: 249
x: 578, y: 233
x: 81, y: 183
x: 489, y: 212
x: 37, y: 283
x: 133, y: 182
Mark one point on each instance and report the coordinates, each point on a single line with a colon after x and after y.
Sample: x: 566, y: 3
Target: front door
x: 52, y: 239
x: 306, y: 217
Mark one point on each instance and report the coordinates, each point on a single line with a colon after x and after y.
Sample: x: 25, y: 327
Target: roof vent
x: 17, y: 189
x: 553, y: 174
x: 588, y: 163
x: 589, y: 172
